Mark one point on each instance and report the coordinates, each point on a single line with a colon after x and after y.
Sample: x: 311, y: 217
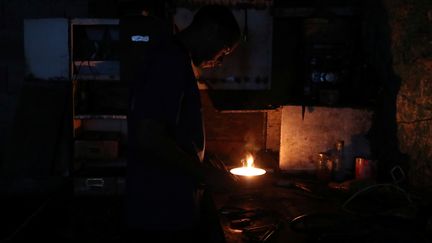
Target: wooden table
x: 381, y: 216
x: 269, y: 204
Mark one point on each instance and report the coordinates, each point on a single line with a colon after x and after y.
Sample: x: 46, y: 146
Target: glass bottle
x: 324, y: 167
x: 338, y: 162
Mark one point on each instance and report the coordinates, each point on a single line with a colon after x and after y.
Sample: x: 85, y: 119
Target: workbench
x: 260, y: 210
x: 263, y: 211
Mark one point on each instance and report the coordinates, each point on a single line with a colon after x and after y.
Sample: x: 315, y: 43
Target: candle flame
x: 249, y: 169
x: 249, y: 161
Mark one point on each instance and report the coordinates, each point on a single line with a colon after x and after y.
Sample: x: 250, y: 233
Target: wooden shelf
x: 101, y: 117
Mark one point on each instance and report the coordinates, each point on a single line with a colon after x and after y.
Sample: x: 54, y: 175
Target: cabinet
x: 84, y: 52
x: 99, y: 107
x: 319, y: 55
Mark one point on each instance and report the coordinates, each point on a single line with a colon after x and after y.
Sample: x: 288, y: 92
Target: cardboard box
x: 97, y: 145
x: 88, y: 149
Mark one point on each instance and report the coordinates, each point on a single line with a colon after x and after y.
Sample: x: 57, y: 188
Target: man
x: 165, y: 129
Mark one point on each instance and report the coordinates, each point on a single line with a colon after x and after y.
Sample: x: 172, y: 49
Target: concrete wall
x: 273, y: 129
x: 321, y: 128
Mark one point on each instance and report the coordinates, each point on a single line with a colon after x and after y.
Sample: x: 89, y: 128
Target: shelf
x: 96, y: 70
x: 102, y: 117
x: 296, y: 12
x: 94, y: 21
x: 98, y: 163
x: 98, y: 77
x: 100, y: 167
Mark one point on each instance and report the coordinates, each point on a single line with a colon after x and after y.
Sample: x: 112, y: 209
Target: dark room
x: 220, y: 121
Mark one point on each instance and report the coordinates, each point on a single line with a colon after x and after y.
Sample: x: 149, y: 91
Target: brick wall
x: 230, y: 135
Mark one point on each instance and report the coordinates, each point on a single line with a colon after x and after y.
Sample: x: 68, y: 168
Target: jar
x: 364, y: 168
x: 324, y: 167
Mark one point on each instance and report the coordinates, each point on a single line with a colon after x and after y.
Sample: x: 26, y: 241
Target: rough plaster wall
x: 411, y: 36
x: 302, y: 140
x: 12, y: 13
x: 273, y: 129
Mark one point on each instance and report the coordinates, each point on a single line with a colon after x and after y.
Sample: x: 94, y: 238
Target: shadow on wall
x: 383, y: 133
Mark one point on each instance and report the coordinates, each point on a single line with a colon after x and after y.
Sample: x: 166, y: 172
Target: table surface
x: 273, y: 200
x: 264, y: 201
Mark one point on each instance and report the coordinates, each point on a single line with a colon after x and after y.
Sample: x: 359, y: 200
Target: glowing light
x: 245, y: 171
x: 249, y: 169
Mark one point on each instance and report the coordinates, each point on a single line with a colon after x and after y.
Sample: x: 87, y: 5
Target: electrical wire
x: 355, y: 195
x: 29, y: 219
x: 393, y: 185
x: 88, y: 60
x: 75, y: 76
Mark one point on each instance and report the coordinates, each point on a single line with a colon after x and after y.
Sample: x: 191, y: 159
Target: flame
x: 249, y: 169
x: 249, y: 161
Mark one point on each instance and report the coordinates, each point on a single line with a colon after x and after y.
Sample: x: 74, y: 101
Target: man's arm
x: 153, y: 136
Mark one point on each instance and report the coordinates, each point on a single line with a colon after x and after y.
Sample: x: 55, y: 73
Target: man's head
x: 213, y: 34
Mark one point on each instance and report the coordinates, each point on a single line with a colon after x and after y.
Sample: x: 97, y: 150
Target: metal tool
x: 239, y: 213
x: 261, y: 233
x: 240, y: 223
x: 304, y: 188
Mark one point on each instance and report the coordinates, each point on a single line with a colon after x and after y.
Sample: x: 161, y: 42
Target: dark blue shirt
x: 167, y: 93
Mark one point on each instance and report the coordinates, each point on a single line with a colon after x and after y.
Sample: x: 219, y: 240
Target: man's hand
x: 217, y: 177
x: 219, y: 180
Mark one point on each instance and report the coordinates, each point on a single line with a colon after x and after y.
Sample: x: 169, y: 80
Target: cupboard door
x: 46, y: 48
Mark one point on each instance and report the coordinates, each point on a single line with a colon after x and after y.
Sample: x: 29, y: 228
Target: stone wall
x: 410, y: 22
